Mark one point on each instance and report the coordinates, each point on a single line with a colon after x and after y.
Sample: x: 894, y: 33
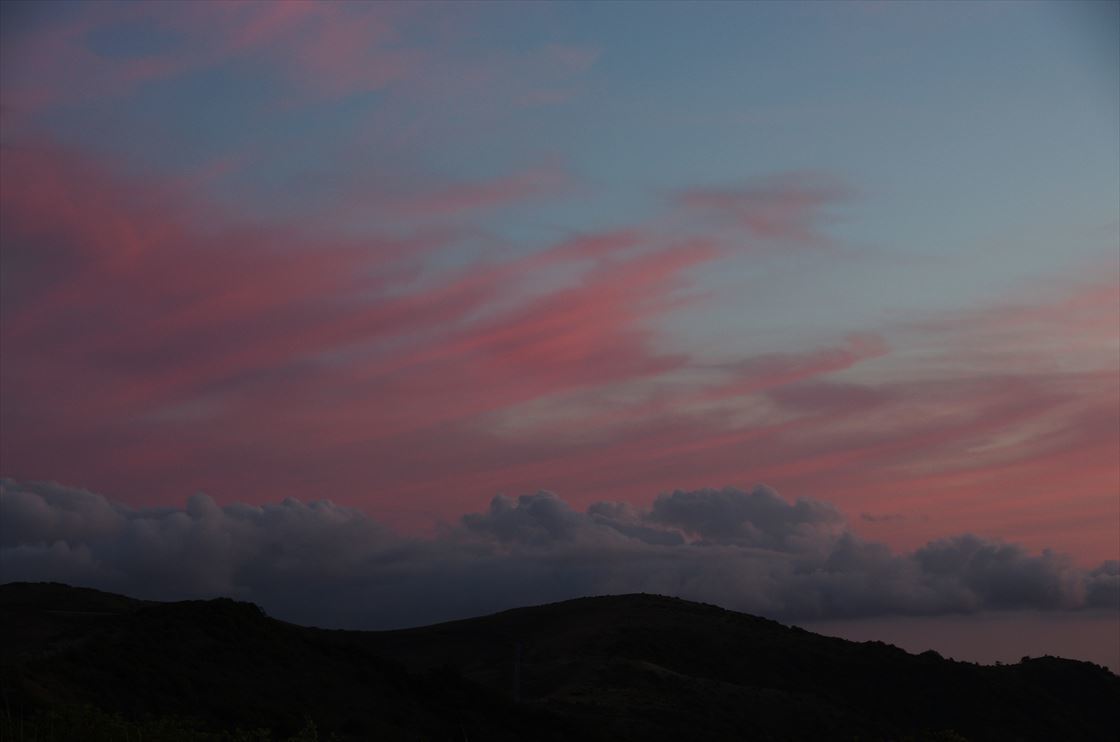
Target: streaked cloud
x: 412, y: 255
x: 790, y: 207
x: 146, y: 328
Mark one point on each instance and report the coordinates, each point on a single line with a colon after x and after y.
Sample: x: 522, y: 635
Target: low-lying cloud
x: 323, y: 564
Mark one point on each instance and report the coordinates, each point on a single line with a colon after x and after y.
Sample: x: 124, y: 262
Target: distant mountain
x: 638, y: 667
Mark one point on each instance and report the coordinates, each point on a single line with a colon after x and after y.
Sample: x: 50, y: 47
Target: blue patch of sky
x: 975, y: 135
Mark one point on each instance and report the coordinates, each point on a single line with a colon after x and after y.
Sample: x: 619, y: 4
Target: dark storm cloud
x: 324, y: 564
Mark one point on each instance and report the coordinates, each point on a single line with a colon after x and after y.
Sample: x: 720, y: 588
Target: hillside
x: 619, y: 667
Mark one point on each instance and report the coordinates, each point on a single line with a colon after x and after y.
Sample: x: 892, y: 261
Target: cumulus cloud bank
x: 319, y: 563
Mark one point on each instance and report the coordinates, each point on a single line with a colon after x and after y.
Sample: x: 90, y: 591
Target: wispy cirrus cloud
x: 328, y: 49
x: 146, y: 329
x: 304, y: 51
x: 789, y: 207
x: 407, y: 256
x: 218, y: 319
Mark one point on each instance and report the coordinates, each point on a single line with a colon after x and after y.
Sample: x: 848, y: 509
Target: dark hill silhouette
x: 619, y: 667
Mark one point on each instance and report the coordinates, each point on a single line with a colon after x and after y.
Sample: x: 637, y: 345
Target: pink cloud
x: 193, y: 325
x: 432, y: 201
x: 315, y: 50
x: 789, y: 207
x: 328, y: 49
x: 758, y: 374
x: 146, y: 332
x: 529, y: 184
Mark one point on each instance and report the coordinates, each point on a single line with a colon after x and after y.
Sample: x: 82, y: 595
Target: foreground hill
x: 619, y: 667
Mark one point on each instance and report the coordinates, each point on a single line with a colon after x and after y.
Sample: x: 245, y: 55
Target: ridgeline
x: 79, y: 663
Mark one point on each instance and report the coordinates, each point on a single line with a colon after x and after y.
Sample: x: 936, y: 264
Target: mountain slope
x: 618, y: 667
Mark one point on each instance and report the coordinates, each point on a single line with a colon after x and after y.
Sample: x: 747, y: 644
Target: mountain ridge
x: 636, y: 666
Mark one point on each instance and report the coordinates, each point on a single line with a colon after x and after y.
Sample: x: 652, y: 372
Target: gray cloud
x: 759, y: 518
x: 319, y: 563
x: 1004, y: 575
x: 1103, y: 586
x: 542, y: 519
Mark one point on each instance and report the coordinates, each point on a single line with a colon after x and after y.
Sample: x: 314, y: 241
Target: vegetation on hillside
x: 80, y: 664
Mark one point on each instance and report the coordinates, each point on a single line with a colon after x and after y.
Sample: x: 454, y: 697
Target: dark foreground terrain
x: 82, y: 664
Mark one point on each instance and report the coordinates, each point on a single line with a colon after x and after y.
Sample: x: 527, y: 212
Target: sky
x: 428, y: 309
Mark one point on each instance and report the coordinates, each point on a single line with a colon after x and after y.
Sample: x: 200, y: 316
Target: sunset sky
x: 713, y: 295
